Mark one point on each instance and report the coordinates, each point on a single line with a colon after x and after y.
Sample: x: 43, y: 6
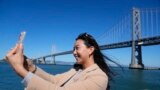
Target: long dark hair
x: 99, y: 58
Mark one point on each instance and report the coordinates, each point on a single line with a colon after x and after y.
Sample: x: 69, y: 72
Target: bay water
x: 127, y: 79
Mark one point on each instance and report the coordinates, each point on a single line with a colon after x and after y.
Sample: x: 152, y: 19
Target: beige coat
x: 92, y: 78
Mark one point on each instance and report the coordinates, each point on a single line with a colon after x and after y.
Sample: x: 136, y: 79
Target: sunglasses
x: 89, y: 40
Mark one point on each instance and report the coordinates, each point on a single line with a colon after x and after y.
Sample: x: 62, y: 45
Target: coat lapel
x: 83, y: 74
x: 70, y: 74
x: 73, y: 72
x: 89, y: 69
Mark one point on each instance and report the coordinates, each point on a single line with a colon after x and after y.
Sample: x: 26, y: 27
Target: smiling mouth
x: 76, y: 56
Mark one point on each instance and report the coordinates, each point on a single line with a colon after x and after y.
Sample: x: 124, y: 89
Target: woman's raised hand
x: 16, y: 59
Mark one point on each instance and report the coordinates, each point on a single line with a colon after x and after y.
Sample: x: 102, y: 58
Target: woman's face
x: 81, y: 52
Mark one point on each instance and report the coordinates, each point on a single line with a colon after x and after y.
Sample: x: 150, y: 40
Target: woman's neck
x: 88, y: 63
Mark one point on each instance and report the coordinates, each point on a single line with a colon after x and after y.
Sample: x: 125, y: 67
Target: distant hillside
x: 64, y: 63
x: 57, y: 62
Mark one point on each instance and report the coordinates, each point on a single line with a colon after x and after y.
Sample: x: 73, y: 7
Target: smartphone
x: 21, y: 37
x: 20, y: 40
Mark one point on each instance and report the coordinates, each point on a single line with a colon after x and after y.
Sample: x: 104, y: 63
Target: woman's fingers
x: 12, y: 51
x: 20, y: 50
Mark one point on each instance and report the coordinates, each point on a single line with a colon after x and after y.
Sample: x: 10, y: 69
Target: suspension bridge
x: 139, y: 28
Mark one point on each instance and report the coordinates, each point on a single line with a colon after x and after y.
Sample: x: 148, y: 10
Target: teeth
x: 76, y: 55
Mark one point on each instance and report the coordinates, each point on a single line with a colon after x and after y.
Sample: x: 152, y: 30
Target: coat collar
x: 72, y: 72
x: 91, y: 68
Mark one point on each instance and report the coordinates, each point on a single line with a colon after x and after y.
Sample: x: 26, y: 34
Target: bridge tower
x: 53, y: 51
x: 53, y: 61
x: 37, y: 61
x: 136, y: 59
x: 43, y: 60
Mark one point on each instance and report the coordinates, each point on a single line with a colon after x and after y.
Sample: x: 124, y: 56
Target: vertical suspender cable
x: 118, y: 32
x: 121, y: 31
x: 157, y: 22
x: 147, y: 23
x: 152, y: 32
x: 114, y: 35
x: 142, y: 24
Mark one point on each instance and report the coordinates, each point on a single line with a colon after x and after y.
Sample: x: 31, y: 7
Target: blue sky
x: 57, y: 23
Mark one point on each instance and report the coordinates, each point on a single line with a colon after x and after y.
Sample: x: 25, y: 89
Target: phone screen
x: 21, y: 37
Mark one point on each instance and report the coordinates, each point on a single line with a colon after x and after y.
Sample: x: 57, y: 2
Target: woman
x: 89, y: 73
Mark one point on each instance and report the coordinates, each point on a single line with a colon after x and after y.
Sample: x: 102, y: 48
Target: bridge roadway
x: 143, y: 42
